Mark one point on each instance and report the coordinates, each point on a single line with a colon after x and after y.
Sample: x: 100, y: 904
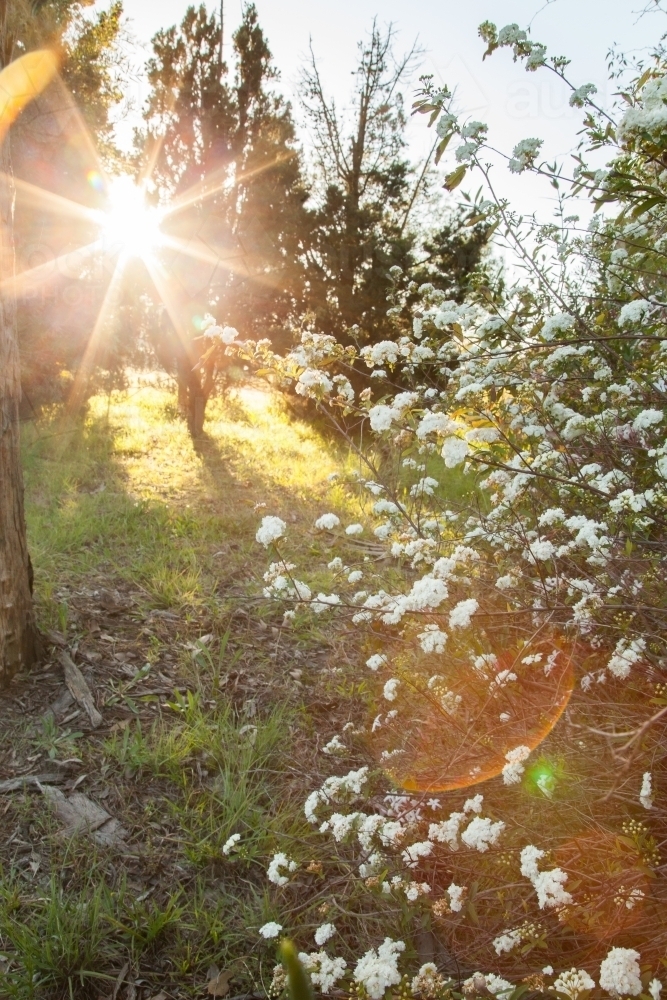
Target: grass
x: 146, y: 567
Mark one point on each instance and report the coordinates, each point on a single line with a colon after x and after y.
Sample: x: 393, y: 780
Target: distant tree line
x: 273, y: 230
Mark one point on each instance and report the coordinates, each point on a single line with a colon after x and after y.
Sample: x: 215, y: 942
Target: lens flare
x: 22, y: 81
x: 94, y: 178
x: 130, y: 225
x: 457, y: 726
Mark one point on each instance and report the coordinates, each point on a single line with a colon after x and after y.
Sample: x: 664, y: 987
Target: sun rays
x: 122, y: 226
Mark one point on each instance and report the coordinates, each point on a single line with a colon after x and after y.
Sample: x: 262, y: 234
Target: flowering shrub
x: 525, y: 651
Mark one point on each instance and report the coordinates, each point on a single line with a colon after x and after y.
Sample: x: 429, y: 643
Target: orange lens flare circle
x: 458, y: 725
x: 21, y: 82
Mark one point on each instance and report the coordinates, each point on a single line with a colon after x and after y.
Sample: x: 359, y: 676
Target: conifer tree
x: 371, y: 247
x: 227, y: 137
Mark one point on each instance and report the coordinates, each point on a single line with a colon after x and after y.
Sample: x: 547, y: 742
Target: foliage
x: 59, y: 144
x: 522, y: 647
x: 227, y: 150
x: 368, y: 244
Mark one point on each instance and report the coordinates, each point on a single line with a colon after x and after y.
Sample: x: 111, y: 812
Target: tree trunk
x: 193, y: 392
x: 18, y: 634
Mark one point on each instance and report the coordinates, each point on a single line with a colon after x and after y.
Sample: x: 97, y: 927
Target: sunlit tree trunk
x: 18, y: 636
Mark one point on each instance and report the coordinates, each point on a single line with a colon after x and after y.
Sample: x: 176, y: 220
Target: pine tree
x: 231, y: 143
x: 371, y: 248
x: 363, y: 184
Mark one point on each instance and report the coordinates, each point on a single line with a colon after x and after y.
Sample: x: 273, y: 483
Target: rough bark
x: 18, y: 634
x: 195, y: 385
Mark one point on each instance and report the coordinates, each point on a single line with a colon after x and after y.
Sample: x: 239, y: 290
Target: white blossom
x: 514, y: 768
x: 457, y: 894
x: 620, y: 973
x: 390, y: 689
x: 454, y: 451
x: 461, y: 615
x: 278, y: 863
x: 647, y: 418
x: 646, y: 792
x: 573, y: 983
x: 323, y: 934
x: 334, y: 746
x: 270, y: 930
x: 231, y: 843
x: 327, y: 522
x: 270, y: 530
x: 432, y: 639
x: 627, y: 653
x: 508, y: 940
x: 559, y: 323
x: 548, y: 885
x: 580, y: 96
x: 633, y: 312
x: 523, y: 154
x: 381, y: 417
x: 377, y: 970
x: 482, y: 833
x: 324, y: 970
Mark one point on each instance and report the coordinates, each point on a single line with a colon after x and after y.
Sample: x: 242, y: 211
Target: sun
x: 130, y: 224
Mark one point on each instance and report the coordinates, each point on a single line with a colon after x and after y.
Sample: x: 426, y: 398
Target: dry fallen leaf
x: 218, y: 982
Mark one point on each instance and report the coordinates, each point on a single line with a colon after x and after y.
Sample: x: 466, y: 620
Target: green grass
x: 123, y: 499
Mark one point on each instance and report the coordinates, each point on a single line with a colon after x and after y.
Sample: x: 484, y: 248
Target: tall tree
x: 24, y: 25
x: 57, y: 146
x: 372, y: 243
x: 229, y: 140
x: 18, y: 633
x: 364, y: 193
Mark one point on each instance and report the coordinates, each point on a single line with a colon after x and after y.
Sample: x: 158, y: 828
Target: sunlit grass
x: 124, y: 498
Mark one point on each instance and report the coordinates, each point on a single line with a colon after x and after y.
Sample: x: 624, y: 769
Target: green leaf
x: 454, y: 179
x: 299, y: 984
x: 442, y: 147
x: 644, y: 206
x: 643, y: 78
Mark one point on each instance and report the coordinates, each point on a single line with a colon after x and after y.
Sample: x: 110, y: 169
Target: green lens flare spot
x: 542, y: 778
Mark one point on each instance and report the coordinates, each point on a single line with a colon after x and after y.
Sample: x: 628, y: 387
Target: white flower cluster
x: 334, y: 789
x: 230, y: 844
x: 620, y: 975
x: 574, y: 982
x: 377, y: 970
x: 548, y: 885
x: 270, y: 930
x: 514, y: 768
x: 270, y: 530
x: 324, y: 971
x: 280, y: 863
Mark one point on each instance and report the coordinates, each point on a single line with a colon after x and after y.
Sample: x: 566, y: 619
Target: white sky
x: 514, y: 103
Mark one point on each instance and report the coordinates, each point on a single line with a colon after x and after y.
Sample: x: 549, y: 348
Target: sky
x: 515, y: 104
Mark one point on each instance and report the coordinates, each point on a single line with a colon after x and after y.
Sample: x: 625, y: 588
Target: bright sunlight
x: 130, y: 223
